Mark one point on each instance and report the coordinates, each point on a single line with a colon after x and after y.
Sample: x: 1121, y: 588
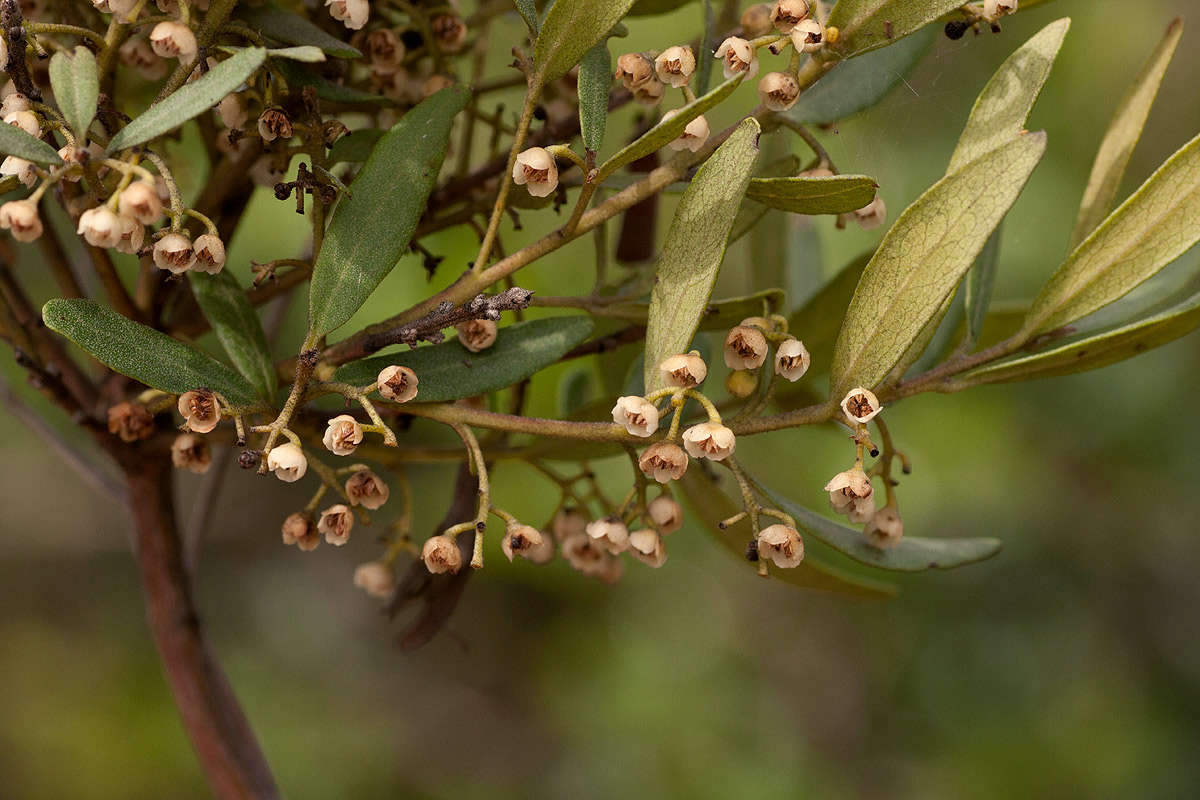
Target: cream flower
x: 441, y: 554
x: 376, y: 579
x: 710, y: 440
x: 287, y: 461
x: 808, y: 36
x: 663, y: 462
x: 174, y: 253
x: 634, y: 70
x: 685, y: 370
x: 191, y: 452
x: 343, y: 435
x: 26, y: 171
x: 637, y: 414
x: 21, y: 217
x: 336, y: 522
x: 139, y: 200
x: 737, y: 57
x: 25, y: 120
x: 610, y: 533
x: 694, y: 135
x: 787, y: 14
x: 200, y: 410
x: 477, y: 334
x: 536, y: 171
x: 298, y: 529
x: 100, y: 227
x: 648, y: 547
x: 519, y: 540
x: 849, y: 489
x: 590, y: 557
x: 872, y: 215
x: 860, y: 405
x: 782, y: 545
x: 666, y: 513
x: 351, y: 13
x: 885, y: 528
x: 210, y: 253
x: 745, y: 348
x: 173, y: 40
x: 792, y: 359
x: 365, y: 488
x: 398, y: 384
x: 675, y: 66
x: 778, y: 91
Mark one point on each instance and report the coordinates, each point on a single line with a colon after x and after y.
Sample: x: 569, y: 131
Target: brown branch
x: 14, y: 33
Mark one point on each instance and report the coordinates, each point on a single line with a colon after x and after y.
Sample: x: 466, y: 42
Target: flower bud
x: 885, y: 528
x: 520, y: 539
x: 140, y: 201
x: 351, y: 13
x: 591, y: 558
x: 634, y: 70
x: 398, y: 384
x: 850, y: 489
x: 100, y: 227
x: 737, y: 57
x: 336, y: 523
x: 210, y: 253
x: 192, y: 453
x: 610, y: 533
x: 663, y: 462
x: 666, y: 513
x: 994, y: 9
x: 536, y: 171
x: 274, y: 124
x: 741, y: 383
x: 861, y: 405
x: 384, y: 50
x: 782, y: 545
x: 745, y: 348
x: 26, y: 121
x: 650, y: 92
x: 787, y: 14
x: 872, y: 215
x: 648, y: 547
x: 365, y: 488
x: 137, y: 54
x: 710, y: 440
x: 232, y: 110
x: 792, y: 359
x: 756, y: 20
x: 298, y: 529
x: 441, y: 554
x: 376, y: 579
x: 675, y: 66
x: 21, y: 217
x: 130, y: 421
x: 477, y: 334
x: 694, y: 135
x: 174, y: 252
x: 287, y: 461
x: 343, y: 435
x: 450, y: 32
x: 638, y: 415
x: 808, y: 36
x: 200, y: 410
x: 686, y: 371
x: 173, y: 40
x: 13, y: 103
x: 72, y: 156
x: 568, y: 522
x: 778, y: 91
x: 132, y: 235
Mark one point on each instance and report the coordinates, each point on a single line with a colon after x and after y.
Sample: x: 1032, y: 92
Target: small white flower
x: 666, y: 513
x: 200, y: 410
x: 850, y: 489
x: 787, y: 14
x: 808, y: 36
x: 872, y: 215
x: 737, y: 57
x: 365, y: 488
x: 638, y: 415
x: 663, y: 462
x: 885, y: 528
x: 536, y: 171
x: 100, y: 226
x: 343, y: 435
x: 336, y: 522
x: 441, y: 554
x: 860, y: 405
x: 675, y: 66
x: 591, y: 558
x: 650, y: 93
x: 792, y: 359
x: 782, y: 545
x: 210, y: 253
x: 137, y: 53
x: 232, y: 110
x: 13, y: 103
x: 25, y: 120
x: 173, y: 40
x: 610, y: 533
x: 173, y: 252
x: 778, y: 91
x: 287, y: 461
x: 26, y: 171
x: 298, y: 529
x: 477, y: 334
x: 568, y: 522
x: 648, y: 547
x: 756, y: 20
x: 191, y: 452
x: 686, y: 371
x: 994, y: 9
x: 398, y: 384
x: 140, y: 201
x: 21, y: 217
x: 376, y: 579
x: 862, y: 511
x: 694, y: 135
x: 634, y: 70
x: 710, y: 440
x: 132, y: 235
x: 745, y: 348
x: 351, y: 13
x: 520, y: 540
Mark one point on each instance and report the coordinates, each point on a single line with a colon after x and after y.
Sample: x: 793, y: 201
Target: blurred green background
x: 1068, y: 666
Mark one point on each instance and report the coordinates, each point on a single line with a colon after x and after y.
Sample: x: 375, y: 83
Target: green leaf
x: 190, y: 100
x: 668, y: 130
x: 300, y: 75
x: 980, y: 282
x: 1096, y: 349
x: 76, y: 86
x: 709, y: 504
x: 922, y: 259
x: 1122, y: 136
x: 570, y: 29
x: 818, y: 320
x: 1001, y: 110
x: 595, y: 79
x: 859, y: 83
x: 838, y: 194
x: 695, y: 246
x: 355, y: 146
x: 1159, y: 223
x: 142, y: 353
x: 16, y: 142
x: 912, y: 554
x: 306, y: 53
x: 237, y: 327
x: 372, y: 227
x: 528, y: 11
x: 866, y: 24
x: 449, y: 371
x: 289, y: 28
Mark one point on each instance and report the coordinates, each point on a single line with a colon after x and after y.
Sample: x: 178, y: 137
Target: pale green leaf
x: 356, y: 146
x: 667, y: 130
x: 922, y: 259
x: 190, y: 100
x: 16, y: 142
x: 372, y: 227
x: 1002, y: 108
x: 1122, y: 136
x: 865, y: 24
x: 981, y: 280
x: 1159, y: 223
x: 595, y: 79
x: 309, y: 54
x: 925, y: 348
x: 449, y: 371
x: 570, y: 29
x: 237, y: 327
x: 836, y: 194
x: 290, y: 28
x: 142, y: 353
x: 76, y: 85
x: 695, y: 246
x: 528, y: 11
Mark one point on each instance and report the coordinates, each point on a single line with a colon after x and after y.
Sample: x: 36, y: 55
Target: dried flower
x: 849, y: 489
x: 666, y: 513
x: 21, y: 217
x: 100, y: 226
x: 520, y: 539
x: 710, y: 440
x: 637, y: 414
x: 191, y: 452
x: 994, y: 9
x: 861, y: 405
x: 343, y: 435
x: 787, y: 14
x: 287, y: 461
x: 441, y: 554
x: 778, y: 91
x: 25, y: 120
x: 861, y: 511
x: 365, y: 488
x: 675, y: 66
x: 808, y: 36
x: 132, y: 235
x: 398, y: 384
x: 872, y: 215
x: 694, y: 135
x: 648, y: 547
x: 737, y: 57
x: 536, y: 171
x: 173, y: 40
x: 351, y: 13
x: 663, y: 462
x: 782, y: 545
x: 298, y: 529
x: 130, y: 421
x: 139, y: 200
x: 686, y: 371
x: 450, y: 32
x: 792, y: 359
x: 477, y: 334
x: 200, y: 410
x: 756, y: 20
x: 174, y: 252
x: 634, y: 70
x: 591, y: 558
x: 210, y: 253
x: 885, y: 528
x: 376, y: 579
x: 336, y: 523
x: 568, y: 522
x: 610, y: 533
x: 650, y: 92
x: 26, y: 171
x: 745, y: 348
x: 273, y: 123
